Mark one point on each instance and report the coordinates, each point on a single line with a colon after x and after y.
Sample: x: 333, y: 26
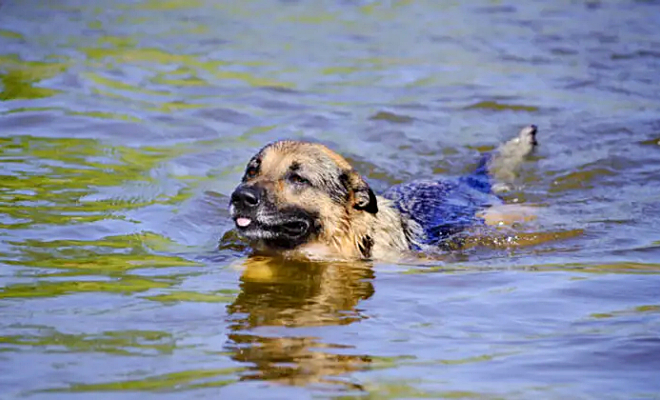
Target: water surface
x: 124, y: 126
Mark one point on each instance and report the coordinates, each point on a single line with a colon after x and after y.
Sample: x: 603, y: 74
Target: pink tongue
x: 243, y: 222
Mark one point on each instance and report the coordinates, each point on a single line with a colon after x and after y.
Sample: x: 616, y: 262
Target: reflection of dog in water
x: 287, y: 293
x: 300, y: 198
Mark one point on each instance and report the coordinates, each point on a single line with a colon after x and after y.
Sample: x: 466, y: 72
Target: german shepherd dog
x: 302, y: 199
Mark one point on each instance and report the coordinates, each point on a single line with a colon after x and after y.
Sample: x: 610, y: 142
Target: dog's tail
x: 498, y: 169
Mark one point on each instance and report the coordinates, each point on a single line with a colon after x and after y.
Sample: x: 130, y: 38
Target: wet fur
x: 350, y: 221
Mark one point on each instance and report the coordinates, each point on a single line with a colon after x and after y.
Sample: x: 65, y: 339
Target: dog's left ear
x: 363, y: 197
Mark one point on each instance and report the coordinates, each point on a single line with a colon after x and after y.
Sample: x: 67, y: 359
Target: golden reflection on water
x: 292, y: 294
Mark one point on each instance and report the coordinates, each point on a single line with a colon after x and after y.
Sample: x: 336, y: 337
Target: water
x: 125, y: 125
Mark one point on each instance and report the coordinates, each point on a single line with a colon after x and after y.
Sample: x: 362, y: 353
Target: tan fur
x: 342, y: 236
x: 344, y: 227
x: 340, y: 197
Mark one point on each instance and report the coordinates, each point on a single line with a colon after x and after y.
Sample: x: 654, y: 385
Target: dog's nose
x: 246, y: 196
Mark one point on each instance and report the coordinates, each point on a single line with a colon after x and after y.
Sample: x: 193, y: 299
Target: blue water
x: 124, y: 126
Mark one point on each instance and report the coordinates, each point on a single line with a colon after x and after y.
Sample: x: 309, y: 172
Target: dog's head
x: 296, y: 193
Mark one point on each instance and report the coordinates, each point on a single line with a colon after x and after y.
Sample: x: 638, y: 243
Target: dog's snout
x: 246, y: 196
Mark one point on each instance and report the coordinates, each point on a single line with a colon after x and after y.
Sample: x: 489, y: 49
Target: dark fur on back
x: 441, y: 208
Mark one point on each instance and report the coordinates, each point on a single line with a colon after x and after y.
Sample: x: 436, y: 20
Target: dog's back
x: 441, y: 208
x: 446, y: 207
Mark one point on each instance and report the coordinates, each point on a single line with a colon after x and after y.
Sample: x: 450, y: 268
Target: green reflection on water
x: 70, y: 181
x: 187, y: 70
x: 166, y: 4
x: 53, y: 176
x: 109, y: 255
x: 130, y: 342
x: 18, y: 78
x: 110, y: 258
x: 628, y: 312
x: 221, y: 296
x: 176, y: 381
x: 496, y: 106
x: 10, y: 34
x: 409, y: 389
x: 182, y: 76
x: 592, y: 268
x: 124, y: 285
x: 92, y: 259
x: 91, y: 114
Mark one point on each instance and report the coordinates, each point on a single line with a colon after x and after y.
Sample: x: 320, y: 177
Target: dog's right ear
x: 362, y: 196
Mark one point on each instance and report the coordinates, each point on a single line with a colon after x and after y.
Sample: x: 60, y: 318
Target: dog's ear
x: 363, y: 197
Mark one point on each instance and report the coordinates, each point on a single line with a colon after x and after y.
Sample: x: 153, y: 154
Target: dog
x: 303, y: 199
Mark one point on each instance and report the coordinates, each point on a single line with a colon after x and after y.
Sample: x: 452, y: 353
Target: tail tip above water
x: 528, y: 134
x: 510, y: 155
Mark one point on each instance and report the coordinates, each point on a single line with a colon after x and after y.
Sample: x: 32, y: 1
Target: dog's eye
x: 295, y: 178
x: 251, y: 172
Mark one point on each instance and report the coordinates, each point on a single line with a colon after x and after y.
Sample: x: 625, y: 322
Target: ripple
x: 175, y: 381
x: 391, y: 117
x: 125, y: 343
x: 125, y: 285
x: 222, y: 296
x: 22, y: 79
x: 497, y: 106
x: 125, y: 127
